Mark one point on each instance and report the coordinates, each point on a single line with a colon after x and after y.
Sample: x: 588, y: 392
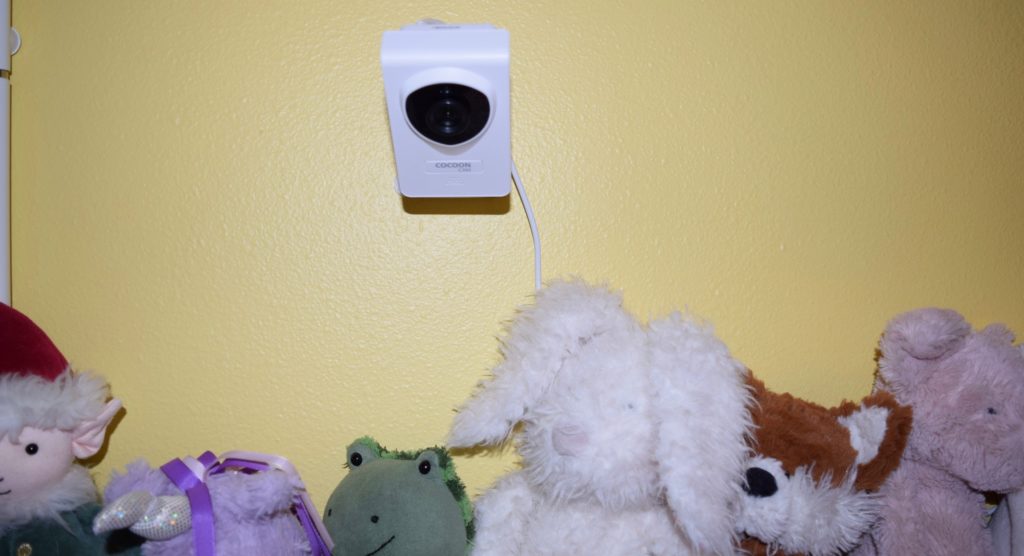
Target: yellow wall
x: 203, y: 207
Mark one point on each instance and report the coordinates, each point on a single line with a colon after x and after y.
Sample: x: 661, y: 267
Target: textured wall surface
x: 203, y: 207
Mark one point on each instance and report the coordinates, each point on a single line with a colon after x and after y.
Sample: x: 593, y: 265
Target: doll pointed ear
x: 701, y: 404
x: 87, y: 438
x: 913, y: 340
x: 544, y: 336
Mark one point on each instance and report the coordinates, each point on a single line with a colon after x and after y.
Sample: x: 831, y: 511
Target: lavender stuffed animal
x: 252, y: 513
x: 1007, y: 524
x: 967, y: 392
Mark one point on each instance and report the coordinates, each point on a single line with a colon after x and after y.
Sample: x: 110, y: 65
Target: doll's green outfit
x: 73, y: 537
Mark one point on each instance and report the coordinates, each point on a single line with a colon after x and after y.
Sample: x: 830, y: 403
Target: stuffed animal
x: 249, y: 512
x: 1007, y: 524
x: 812, y: 474
x: 632, y: 440
x: 395, y: 502
x: 967, y: 392
x: 50, y: 416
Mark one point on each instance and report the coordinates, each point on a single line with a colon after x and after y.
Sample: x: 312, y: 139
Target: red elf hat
x: 37, y: 386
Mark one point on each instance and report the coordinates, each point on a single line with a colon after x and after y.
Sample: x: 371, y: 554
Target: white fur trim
x: 867, y: 428
x: 75, y: 489
x: 32, y: 401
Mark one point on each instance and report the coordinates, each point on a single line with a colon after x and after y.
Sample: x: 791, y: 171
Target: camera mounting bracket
x: 448, y: 141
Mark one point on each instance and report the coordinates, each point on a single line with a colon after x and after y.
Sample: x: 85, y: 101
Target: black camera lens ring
x: 448, y: 113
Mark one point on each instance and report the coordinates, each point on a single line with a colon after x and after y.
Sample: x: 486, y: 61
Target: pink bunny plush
x: 966, y: 389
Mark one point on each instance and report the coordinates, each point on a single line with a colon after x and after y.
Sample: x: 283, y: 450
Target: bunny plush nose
x: 760, y: 483
x: 569, y: 440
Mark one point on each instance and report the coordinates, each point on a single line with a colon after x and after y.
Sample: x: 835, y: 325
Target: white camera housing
x: 447, y: 91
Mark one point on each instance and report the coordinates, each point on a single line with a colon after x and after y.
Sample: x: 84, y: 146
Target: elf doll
x: 50, y: 416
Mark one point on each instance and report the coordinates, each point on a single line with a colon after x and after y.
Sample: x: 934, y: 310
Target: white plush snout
x: 805, y: 515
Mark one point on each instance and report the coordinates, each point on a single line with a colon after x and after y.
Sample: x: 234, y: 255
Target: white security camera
x: 447, y: 90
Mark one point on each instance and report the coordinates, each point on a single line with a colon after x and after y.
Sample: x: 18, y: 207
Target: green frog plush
x: 399, y: 503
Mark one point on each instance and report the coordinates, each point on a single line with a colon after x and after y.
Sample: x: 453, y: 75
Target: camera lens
x: 448, y: 117
x: 448, y: 113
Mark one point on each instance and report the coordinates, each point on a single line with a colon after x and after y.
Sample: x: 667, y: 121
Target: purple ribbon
x: 198, y: 500
x: 198, y: 495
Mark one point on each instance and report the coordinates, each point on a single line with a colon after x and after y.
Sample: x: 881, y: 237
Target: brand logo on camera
x: 453, y: 166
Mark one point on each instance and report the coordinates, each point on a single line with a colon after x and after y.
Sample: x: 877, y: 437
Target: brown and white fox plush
x: 813, y: 470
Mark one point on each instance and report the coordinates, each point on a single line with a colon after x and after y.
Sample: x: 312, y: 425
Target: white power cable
x: 533, y: 224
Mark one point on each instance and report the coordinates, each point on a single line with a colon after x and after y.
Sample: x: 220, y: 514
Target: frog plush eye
x: 428, y: 463
x: 362, y: 452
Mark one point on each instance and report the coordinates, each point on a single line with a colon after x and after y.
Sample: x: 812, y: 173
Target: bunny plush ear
x: 566, y: 316
x: 701, y: 406
x: 912, y: 341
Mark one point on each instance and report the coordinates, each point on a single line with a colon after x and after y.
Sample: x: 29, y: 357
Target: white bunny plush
x: 633, y: 439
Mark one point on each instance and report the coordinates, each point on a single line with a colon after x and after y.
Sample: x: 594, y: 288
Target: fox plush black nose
x: 760, y: 483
